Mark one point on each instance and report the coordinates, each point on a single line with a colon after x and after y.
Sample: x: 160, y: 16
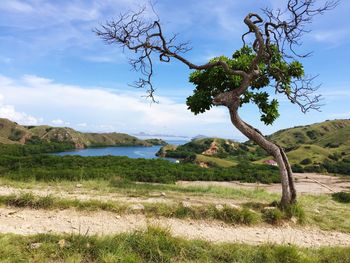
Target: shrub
x: 306, y: 161
x: 297, y: 168
x: 342, y: 197
x: 295, y: 210
x: 273, y: 216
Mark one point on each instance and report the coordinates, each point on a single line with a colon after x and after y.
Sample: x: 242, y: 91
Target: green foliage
x: 155, y: 245
x: 76, y: 168
x: 213, y: 81
x: 273, y: 216
x: 342, y: 197
x: 28, y: 200
x: 33, y: 147
x: 16, y: 135
x: 306, y: 161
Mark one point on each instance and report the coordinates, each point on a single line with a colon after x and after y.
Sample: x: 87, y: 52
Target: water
x: 129, y: 151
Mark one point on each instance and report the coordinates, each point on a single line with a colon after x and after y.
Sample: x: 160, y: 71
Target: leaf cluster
x: 274, y: 71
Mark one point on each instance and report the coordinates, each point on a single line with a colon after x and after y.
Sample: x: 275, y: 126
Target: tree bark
x: 288, y: 189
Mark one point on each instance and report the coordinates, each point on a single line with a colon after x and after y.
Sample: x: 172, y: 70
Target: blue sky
x: 54, y: 70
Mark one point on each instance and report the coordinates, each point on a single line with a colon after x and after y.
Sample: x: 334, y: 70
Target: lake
x: 129, y: 151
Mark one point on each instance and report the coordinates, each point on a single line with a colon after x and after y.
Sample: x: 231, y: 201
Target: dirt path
x: 27, y: 221
x: 305, y: 183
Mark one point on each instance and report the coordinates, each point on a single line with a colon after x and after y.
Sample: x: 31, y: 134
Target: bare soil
x: 305, y: 183
x: 27, y: 221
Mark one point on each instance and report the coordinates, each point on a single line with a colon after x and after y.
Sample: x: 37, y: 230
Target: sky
x: 54, y: 70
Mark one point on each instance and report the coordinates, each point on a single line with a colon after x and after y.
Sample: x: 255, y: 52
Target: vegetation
x: 75, y: 168
x: 310, y: 148
x: 342, y: 197
x: 156, y: 141
x: 154, y: 245
x: 231, y: 215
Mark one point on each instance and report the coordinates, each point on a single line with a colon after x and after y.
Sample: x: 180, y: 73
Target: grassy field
x: 153, y: 245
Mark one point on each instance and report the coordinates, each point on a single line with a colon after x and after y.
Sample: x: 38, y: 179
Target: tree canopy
x: 212, y: 81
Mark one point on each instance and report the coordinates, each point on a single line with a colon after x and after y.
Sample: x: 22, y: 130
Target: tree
x: 267, y: 58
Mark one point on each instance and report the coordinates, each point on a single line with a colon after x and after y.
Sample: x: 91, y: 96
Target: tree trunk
x: 288, y: 189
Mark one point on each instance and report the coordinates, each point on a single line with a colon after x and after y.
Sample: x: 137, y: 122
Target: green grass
x: 215, y: 161
x: 154, y: 245
x: 226, y: 214
x: 324, y: 212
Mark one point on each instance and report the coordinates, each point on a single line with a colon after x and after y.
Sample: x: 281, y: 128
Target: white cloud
x: 9, y: 112
x: 99, y: 109
x: 59, y: 122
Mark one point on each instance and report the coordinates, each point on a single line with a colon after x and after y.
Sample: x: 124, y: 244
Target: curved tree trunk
x: 288, y: 189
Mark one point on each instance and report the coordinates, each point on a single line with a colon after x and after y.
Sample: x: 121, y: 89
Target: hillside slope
x: 317, y: 143
x: 13, y: 133
x: 317, y: 147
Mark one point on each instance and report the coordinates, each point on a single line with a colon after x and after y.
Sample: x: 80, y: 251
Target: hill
x: 316, y: 144
x: 13, y: 133
x: 317, y: 147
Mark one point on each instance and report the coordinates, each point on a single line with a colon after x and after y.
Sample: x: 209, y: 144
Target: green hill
x: 319, y: 147
x: 316, y: 144
x: 13, y: 133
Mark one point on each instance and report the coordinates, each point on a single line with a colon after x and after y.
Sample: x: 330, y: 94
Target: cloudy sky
x: 54, y: 70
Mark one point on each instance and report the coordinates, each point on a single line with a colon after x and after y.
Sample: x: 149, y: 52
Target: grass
x: 231, y: 215
x: 324, y: 212
x: 132, y: 189
x: 319, y: 210
x: 226, y: 214
x: 153, y: 245
x: 215, y: 161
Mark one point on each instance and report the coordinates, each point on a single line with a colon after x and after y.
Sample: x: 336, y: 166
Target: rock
x: 35, y: 245
x: 269, y: 208
x: 62, y: 243
x: 185, y: 204
x: 294, y: 220
x: 136, y: 207
x: 234, y: 206
x: 78, y: 185
x: 162, y: 194
x: 219, y: 206
x: 117, y: 216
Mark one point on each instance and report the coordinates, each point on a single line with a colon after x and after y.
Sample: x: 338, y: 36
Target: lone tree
x: 267, y: 59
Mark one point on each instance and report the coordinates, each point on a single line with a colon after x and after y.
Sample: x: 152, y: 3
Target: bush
x: 273, y: 216
x: 76, y: 168
x: 306, y: 161
x: 297, y: 168
x: 342, y: 197
x: 295, y: 210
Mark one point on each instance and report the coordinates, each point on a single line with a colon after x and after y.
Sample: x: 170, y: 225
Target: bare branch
x: 286, y: 28
x: 302, y: 93
x: 281, y: 28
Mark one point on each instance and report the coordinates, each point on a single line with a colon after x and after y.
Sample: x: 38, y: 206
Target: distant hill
x: 13, y: 133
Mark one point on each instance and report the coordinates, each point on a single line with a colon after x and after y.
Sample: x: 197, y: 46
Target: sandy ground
x: 27, y: 221
x: 305, y: 183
